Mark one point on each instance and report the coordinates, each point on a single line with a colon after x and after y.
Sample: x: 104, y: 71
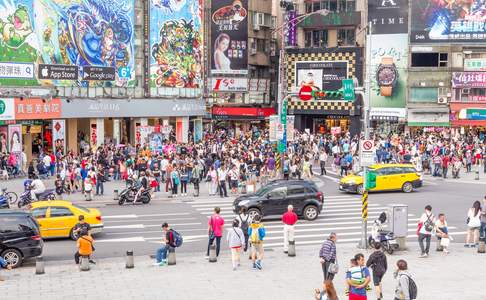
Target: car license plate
x: 392, y: 242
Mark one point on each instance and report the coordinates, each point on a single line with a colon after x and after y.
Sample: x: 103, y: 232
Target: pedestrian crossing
x: 340, y: 214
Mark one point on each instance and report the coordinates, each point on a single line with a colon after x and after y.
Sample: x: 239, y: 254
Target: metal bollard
x: 84, y: 263
x: 39, y: 265
x: 291, y: 251
x: 477, y: 175
x: 212, y: 254
x: 130, y: 262
x: 171, y: 259
x: 481, y: 247
x: 115, y: 195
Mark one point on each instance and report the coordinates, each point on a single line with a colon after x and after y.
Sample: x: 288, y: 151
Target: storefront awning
x: 425, y: 117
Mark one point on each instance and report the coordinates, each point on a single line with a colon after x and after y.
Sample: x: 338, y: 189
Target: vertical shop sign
x: 59, y: 135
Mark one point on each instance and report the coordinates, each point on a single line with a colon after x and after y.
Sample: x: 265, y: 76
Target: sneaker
x: 234, y: 268
x: 155, y: 264
x: 92, y: 262
x: 285, y: 251
x: 206, y: 257
x: 163, y: 263
x: 254, y: 266
x: 423, y: 255
x: 466, y: 245
x: 259, y: 265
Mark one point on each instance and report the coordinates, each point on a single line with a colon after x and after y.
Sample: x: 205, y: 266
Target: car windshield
x: 264, y: 189
x: 360, y: 173
x: 81, y: 208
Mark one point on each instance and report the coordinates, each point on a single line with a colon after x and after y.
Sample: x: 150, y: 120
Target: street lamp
x: 282, y: 93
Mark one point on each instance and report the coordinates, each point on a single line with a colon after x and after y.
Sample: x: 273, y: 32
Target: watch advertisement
x: 388, y: 70
x: 388, y: 16
x: 229, y: 37
x: 447, y: 21
x: 321, y: 75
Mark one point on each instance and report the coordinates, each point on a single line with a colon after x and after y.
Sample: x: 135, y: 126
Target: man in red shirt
x: 289, y: 219
x: 445, y: 165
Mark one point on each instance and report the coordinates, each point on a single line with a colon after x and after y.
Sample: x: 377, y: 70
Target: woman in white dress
x: 221, y: 44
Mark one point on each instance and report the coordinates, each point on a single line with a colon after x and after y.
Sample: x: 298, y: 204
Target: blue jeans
x: 161, y: 253
x: 99, y: 187
x: 482, y: 232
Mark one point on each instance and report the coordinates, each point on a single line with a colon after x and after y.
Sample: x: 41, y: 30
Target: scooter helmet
x: 382, y: 217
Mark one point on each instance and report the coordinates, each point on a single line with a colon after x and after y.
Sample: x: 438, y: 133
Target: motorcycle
x: 25, y: 198
x: 4, y: 200
x: 129, y: 193
x: 386, y: 238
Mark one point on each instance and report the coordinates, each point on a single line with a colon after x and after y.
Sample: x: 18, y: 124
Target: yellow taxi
x: 57, y: 218
x: 389, y: 177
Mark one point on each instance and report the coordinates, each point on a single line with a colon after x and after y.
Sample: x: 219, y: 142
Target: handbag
x: 473, y: 222
x: 333, y: 268
x: 444, y: 242
x: 211, y: 232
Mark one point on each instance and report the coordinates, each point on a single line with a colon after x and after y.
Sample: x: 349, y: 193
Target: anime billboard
x: 96, y: 36
x: 176, y: 43
x: 448, y: 21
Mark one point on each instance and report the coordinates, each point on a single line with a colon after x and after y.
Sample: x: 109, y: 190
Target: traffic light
x: 328, y: 95
x: 370, y: 180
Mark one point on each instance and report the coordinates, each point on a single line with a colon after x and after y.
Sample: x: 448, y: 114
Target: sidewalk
x: 454, y: 276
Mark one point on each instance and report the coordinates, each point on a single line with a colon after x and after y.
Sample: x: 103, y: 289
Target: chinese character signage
x: 292, y: 28
x: 475, y: 64
x: 16, y: 70
x: 7, y: 109
x: 447, y: 21
x: 59, y: 135
x: 388, y: 16
x: 229, y: 36
x: 469, y: 79
x: 83, y: 33
x: 176, y: 43
x: 34, y: 108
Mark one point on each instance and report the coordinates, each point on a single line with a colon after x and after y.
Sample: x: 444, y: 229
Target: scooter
x: 386, y: 238
x: 25, y: 198
x: 4, y: 201
x: 129, y: 193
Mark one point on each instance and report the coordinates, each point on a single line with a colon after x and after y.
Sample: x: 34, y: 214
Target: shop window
x: 308, y: 39
x: 434, y: 59
x: 331, y: 5
x: 424, y: 95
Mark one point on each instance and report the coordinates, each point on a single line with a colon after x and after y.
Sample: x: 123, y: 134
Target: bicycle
x: 11, y: 196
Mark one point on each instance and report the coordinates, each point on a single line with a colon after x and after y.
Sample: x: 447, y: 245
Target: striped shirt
x: 328, y: 250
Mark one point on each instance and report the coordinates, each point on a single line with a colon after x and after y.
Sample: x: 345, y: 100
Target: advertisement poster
x: 179, y: 130
x: 3, y: 139
x: 62, y: 34
x: 272, y: 130
x: 7, y: 109
x: 93, y: 135
x: 156, y: 142
x: 176, y: 43
x: 447, y: 21
x: 59, y: 135
x: 198, y: 130
x: 321, y: 75
x: 15, y: 138
x: 388, y: 68
x: 229, y: 36
x: 388, y: 16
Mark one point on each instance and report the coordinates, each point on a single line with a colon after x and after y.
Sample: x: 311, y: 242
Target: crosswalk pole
x: 278, y: 162
x: 364, y: 217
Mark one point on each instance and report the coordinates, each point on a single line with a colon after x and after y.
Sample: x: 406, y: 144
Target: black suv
x: 273, y: 199
x: 19, y: 237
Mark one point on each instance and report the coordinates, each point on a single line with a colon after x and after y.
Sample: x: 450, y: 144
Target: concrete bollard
x: 212, y: 254
x: 39, y: 265
x: 291, y: 251
x: 84, y: 263
x: 481, y: 247
x: 477, y: 175
x: 171, y: 258
x: 130, y: 262
x: 115, y: 195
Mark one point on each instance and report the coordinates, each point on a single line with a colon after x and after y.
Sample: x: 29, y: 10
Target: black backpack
x: 244, y: 223
x: 412, y: 288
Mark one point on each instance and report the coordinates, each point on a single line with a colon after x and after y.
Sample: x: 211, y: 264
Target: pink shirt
x: 216, y: 223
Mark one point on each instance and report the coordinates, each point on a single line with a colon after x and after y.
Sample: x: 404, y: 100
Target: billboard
x: 388, y: 66
x: 321, y: 75
x: 388, y: 16
x: 83, y: 33
x: 175, y: 43
x: 229, y: 36
x: 447, y: 21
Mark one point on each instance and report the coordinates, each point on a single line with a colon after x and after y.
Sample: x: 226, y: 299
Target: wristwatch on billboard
x: 386, y: 76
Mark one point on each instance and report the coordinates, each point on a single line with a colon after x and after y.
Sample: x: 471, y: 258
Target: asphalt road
x: 137, y: 227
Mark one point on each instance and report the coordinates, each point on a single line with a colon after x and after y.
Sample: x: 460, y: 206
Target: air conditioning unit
x: 256, y: 27
x: 466, y: 91
x: 442, y: 100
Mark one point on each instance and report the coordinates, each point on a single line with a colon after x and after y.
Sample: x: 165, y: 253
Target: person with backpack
x: 406, y: 287
x: 171, y: 238
x: 236, y: 240
x: 85, y: 246
x: 245, y: 221
x: 424, y: 231
x: 215, y: 230
x: 377, y: 262
x: 256, y: 233
x: 289, y: 219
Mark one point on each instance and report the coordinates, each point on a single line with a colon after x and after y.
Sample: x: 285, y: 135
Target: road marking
x: 122, y: 240
x: 316, y: 223
x: 174, y: 224
x: 149, y: 220
x: 161, y: 215
x: 128, y: 226
x: 119, y: 217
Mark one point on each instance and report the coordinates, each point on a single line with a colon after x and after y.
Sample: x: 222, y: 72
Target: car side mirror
x: 269, y: 196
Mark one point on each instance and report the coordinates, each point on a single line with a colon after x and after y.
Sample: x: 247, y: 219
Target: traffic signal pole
x: 366, y: 101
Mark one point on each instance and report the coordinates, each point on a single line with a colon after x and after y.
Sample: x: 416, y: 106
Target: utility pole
x: 366, y: 103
